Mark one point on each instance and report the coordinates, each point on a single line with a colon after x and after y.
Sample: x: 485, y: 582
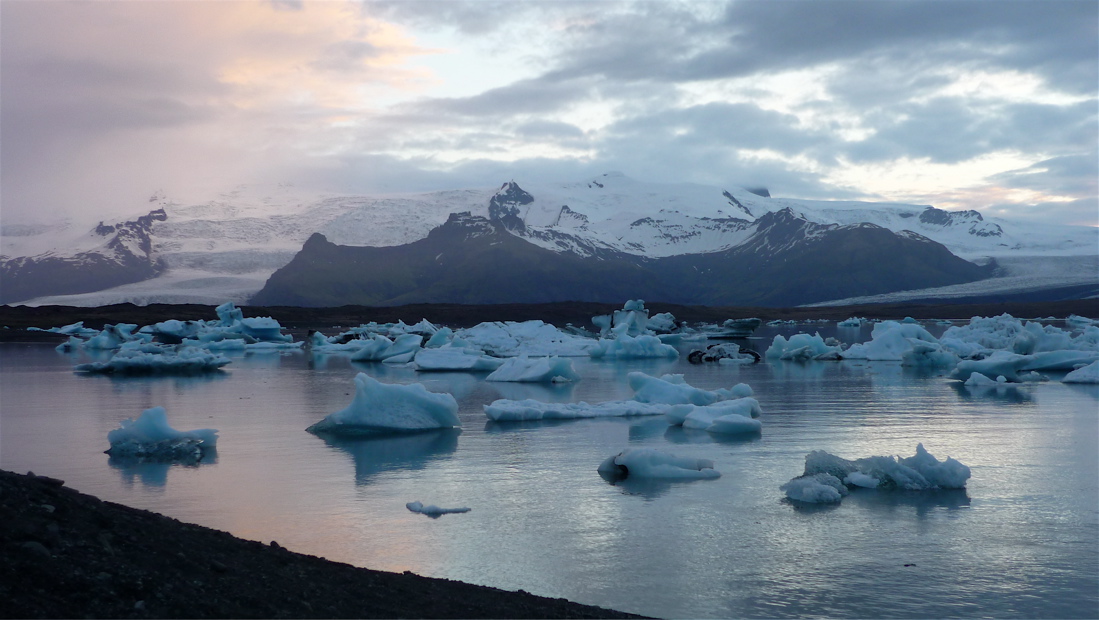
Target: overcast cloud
x: 971, y: 104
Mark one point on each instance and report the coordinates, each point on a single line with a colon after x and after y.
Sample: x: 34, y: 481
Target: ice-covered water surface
x: 1019, y: 541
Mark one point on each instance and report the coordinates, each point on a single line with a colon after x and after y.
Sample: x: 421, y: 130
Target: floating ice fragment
x: 149, y: 437
x: 380, y: 408
x: 433, y: 511
x: 1084, y: 374
x: 651, y: 463
x: 535, y: 370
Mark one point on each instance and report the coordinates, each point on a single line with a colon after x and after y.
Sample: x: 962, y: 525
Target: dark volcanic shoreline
x: 18, y: 318
x: 71, y: 555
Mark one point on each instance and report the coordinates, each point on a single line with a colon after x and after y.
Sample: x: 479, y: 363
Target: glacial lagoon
x: 1022, y: 540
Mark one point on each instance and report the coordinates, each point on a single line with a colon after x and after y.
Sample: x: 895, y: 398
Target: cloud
x: 962, y: 103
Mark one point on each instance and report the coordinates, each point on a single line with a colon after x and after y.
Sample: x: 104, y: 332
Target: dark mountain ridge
x: 786, y: 261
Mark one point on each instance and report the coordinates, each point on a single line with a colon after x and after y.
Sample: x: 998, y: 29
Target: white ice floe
x: 673, y: 390
x: 630, y: 347
x: 137, y: 358
x: 531, y: 338
x: 729, y: 417
x: 802, y: 347
x: 379, y: 408
x: 151, y: 437
x: 652, y: 396
x: 652, y: 463
x: 455, y: 359
x: 527, y: 410
x: 921, y: 472
x: 382, y: 349
x: 907, y: 343
x: 535, y: 370
x: 1006, y: 333
x: 1000, y: 363
x: 432, y: 510
x: 851, y: 322
x: 1084, y: 374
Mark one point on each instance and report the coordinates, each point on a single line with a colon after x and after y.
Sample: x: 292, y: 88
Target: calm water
x: 1021, y: 541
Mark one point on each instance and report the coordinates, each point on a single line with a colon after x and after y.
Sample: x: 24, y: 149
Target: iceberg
x: 652, y: 463
x: 921, y: 472
x: 1084, y: 374
x: 730, y: 417
x: 156, y: 359
x: 382, y: 349
x: 528, y: 410
x: 801, y: 348
x: 380, y: 408
x: 724, y: 353
x: 815, y: 489
x: 535, y: 370
x: 630, y: 347
x: 432, y: 510
x: 908, y: 343
x: 1000, y: 363
x: 673, y: 390
x: 532, y: 338
x: 455, y: 359
x: 150, y: 437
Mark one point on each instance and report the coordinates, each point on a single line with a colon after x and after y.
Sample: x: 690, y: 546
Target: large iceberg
x: 136, y: 358
x: 908, y: 343
x: 381, y: 408
x: 652, y: 396
x: 150, y: 437
x: 652, y: 463
x: 921, y: 472
x: 532, y: 338
x: 535, y: 370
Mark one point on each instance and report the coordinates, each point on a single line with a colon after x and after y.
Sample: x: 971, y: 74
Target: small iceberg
x: 455, y: 359
x: 151, y: 438
x: 535, y: 370
x: 381, y: 408
x: 1084, y: 374
x: 828, y: 478
x: 433, y: 511
x: 652, y: 463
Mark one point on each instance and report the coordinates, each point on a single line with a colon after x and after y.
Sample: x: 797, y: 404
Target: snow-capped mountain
x: 226, y: 248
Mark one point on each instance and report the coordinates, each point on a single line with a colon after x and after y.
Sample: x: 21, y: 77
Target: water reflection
x: 180, y: 383
x: 376, y: 455
x: 1009, y: 393
x: 545, y: 392
x: 924, y: 502
x: 680, y: 435
x: 647, y: 488
x: 154, y: 474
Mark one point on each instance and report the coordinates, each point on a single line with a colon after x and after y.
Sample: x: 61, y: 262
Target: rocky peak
x: 504, y: 206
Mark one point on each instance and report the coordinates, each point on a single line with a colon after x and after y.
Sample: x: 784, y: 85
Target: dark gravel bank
x: 18, y: 318
x: 71, y: 555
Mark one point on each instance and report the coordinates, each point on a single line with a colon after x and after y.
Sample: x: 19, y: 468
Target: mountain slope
x: 475, y: 260
x: 123, y: 255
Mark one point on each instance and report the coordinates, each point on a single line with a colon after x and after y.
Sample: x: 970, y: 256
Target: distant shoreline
x: 14, y: 320
x: 18, y: 318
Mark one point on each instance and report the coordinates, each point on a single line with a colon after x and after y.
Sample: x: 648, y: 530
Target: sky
x: 977, y: 104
